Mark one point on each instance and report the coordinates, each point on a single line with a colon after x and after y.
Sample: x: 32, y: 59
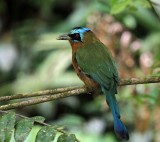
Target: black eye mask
x: 75, y: 36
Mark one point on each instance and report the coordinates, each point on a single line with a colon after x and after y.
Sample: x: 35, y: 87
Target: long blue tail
x: 119, y: 128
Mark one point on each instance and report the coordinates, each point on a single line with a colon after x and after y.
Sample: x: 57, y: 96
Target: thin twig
x: 154, y: 3
x: 22, y: 116
x: 46, y: 98
x: 130, y: 81
x: 74, y: 92
x: 144, y: 80
x: 154, y: 10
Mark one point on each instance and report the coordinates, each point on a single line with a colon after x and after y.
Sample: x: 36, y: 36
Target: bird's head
x: 75, y: 35
x: 79, y: 37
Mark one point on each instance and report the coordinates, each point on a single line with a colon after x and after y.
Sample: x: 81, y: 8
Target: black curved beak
x: 64, y: 37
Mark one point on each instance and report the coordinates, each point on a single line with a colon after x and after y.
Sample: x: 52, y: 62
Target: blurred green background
x: 31, y: 59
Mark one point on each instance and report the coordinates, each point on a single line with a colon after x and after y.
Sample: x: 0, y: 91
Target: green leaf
x: 7, y: 122
x: 112, y: 2
x: 46, y: 134
x: 22, y: 129
x: 62, y: 138
x: 66, y: 138
x: 71, y: 138
x: 119, y: 6
x: 143, y: 3
x: 38, y: 118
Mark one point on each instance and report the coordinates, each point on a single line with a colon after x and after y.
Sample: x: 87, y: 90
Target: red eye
x: 76, y: 36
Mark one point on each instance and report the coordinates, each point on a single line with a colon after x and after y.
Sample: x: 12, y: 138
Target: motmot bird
x: 95, y: 66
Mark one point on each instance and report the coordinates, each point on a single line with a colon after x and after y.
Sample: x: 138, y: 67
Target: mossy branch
x: 49, y: 95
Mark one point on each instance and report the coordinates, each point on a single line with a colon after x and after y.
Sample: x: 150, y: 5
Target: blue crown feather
x: 80, y: 31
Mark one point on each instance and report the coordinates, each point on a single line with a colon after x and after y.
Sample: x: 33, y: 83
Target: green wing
x: 96, y: 61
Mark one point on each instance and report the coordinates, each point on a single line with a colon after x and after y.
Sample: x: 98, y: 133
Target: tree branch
x: 144, y: 80
x: 35, y: 94
x: 49, y: 95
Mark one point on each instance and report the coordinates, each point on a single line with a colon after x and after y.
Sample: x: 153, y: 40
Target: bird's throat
x: 75, y: 45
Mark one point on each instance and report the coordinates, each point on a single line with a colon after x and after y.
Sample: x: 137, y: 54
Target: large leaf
x: 46, y: 134
x: 22, y: 129
x: 7, y: 126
